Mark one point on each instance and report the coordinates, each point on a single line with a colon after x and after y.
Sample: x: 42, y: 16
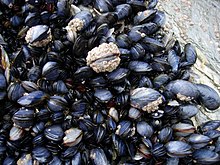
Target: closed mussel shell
x: 15, y: 91
x: 118, y: 75
x: 98, y: 157
x: 103, y: 95
x: 50, y: 71
x: 204, y: 156
x: 183, y: 129
x: 178, y: 149
x: 165, y: 135
x: 56, y: 104
x: 139, y: 67
x: 32, y: 99
x: 198, y: 141
x: 24, y: 118
x: 183, y: 90
x: 41, y: 154
x: 144, y: 129
x: 210, y: 125
x: 145, y: 16
x: 124, y: 129
x: 187, y: 111
x: 54, y: 133
x: 208, y: 97
x: 16, y: 133
x: 146, y: 99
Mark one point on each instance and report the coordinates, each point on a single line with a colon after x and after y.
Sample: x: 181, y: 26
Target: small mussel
x: 204, y: 156
x: 103, y: 95
x: 41, y: 154
x: 56, y: 104
x: 198, y: 141
x: 16, y: 133
x: 98, y: 157
x: 24, y: 118
x: 25, y: 159
x: 54, y: 133
x: 178, y: 149
x: 32, y: 99
x: 187, y: 111
x: 146, y: 99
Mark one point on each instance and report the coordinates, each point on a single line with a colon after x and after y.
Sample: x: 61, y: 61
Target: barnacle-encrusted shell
x: 75, y: 24
x: 41, y: 43
x: 104, y: 58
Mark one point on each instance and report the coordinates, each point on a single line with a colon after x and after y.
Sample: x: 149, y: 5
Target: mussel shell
x: 183, y: 129
x: 198, y: 141
x: 98, y: 157
x: 32, y: 99
x: 178, y: 149
x: 56, y: 104
x: 16, y: 133
x: 41, y: 154
x: 182, y: 89
x: 142, y: 98
x: 123, y: 11
x: 165, y: 135
x: 187, y: 111
x: 15, y: 91
x: 118, y: 75
x: 103, y: 95
x: 144, y: 129
x: 54, y: 133
x: 72, y: 137
x: 204, y: 156
x: 24, y: 118
x: 208, y: 97
x: 139, y: 67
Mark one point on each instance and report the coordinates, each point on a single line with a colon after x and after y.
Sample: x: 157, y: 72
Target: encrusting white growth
x: 183, y: 97
x: 153, y: 106
x: 41, y: 43
x: 73, y: 27
x: 104, y: 58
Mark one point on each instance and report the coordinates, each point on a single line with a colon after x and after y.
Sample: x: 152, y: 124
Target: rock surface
x: 198, y: 22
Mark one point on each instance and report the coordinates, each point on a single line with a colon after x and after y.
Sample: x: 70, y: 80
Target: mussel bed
x: 99, y: 82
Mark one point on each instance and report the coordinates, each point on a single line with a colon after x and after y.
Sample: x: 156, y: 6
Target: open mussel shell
x: 178, y: 149
x: 72, y: 137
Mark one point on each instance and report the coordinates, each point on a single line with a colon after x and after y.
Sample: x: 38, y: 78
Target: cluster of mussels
x: 99, y: 82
